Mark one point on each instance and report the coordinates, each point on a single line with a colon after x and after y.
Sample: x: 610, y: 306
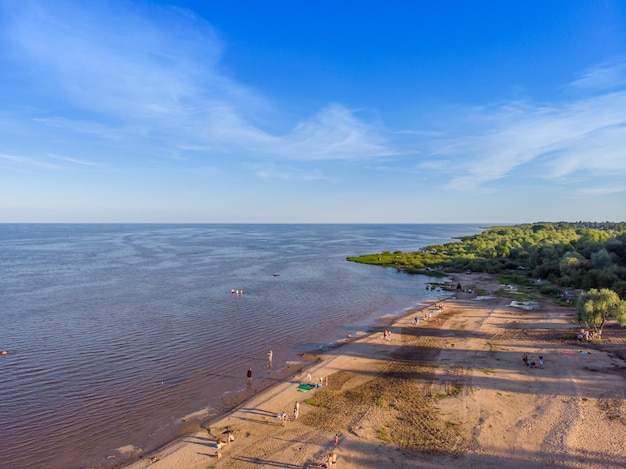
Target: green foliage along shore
x: 595, y: 307
x: 568, y: 255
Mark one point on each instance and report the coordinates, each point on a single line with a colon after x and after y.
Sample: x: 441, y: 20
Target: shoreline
x: 316, y: 359
x: 449, y: 392
x: 134, y: 457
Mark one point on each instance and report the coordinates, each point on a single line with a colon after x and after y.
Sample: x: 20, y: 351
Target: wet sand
x: 448, y: 392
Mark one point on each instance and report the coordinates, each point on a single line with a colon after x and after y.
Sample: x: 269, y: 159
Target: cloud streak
x: 73, y: 161
x: 602, y: 76
x: 555, y: 141
x: 290, y: 173
x: 26, y: 162
x: 145, y: 74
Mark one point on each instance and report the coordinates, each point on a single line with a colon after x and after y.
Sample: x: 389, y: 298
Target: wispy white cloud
x: 22, y: 162
x: 520, y: 139
x: 113, y: 59
x: 290, y: 173
x: 74, y: 161
x: 602, y: 76
x: 604, y: 190
x: 79, y: 126
x: 122, y: 71
x: 433, y: 164
x: 334, y: 133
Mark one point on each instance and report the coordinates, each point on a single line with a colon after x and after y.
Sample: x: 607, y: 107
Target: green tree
x: 595, y: 307
x: 581, y: 255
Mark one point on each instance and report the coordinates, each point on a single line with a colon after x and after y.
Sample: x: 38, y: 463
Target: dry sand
x: 449, y: 392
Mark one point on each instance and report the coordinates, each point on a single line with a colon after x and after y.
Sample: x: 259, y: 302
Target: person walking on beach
x: 284, y: 419
x: 249, y: 375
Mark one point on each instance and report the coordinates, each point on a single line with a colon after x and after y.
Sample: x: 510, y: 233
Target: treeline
x: 581, y: 255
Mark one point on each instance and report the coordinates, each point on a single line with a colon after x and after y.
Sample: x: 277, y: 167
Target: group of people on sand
x: 220, y: 443
x: 532, y: 362
x: 386, y: 335
x: 585, y: 335
x: 426, y: 317
x: 284, y: 416
x: 331, y: 462
x: 437, y: 308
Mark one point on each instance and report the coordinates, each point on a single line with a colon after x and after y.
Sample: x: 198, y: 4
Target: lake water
x: 117, y: 334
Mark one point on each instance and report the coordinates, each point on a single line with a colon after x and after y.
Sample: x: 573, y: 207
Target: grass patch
x: 454, y: 390
x: 454, y: 426
x: 613, y: 409
x: 382, y: 402
x: 450, y: 390
x: 384, y: 435
x: 514, y: 295
x: 422, y: 271
x: 512, y: 278
x: 395, y: 407
x: 322, y: 399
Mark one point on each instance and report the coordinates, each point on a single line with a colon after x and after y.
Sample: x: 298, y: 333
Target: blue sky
x: 320, y: 112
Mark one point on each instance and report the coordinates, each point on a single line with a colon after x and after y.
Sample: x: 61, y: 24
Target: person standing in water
x: 249, y: 375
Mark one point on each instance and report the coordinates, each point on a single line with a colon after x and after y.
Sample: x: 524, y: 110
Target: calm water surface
x: 119, y: 334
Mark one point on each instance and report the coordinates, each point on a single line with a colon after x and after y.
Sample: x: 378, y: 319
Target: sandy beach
x: 450, y: 391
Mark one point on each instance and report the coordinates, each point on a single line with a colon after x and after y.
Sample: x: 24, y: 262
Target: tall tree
x: 595, y: 307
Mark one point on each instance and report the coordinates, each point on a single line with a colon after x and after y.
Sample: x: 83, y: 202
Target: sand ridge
x: 450, y: 391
